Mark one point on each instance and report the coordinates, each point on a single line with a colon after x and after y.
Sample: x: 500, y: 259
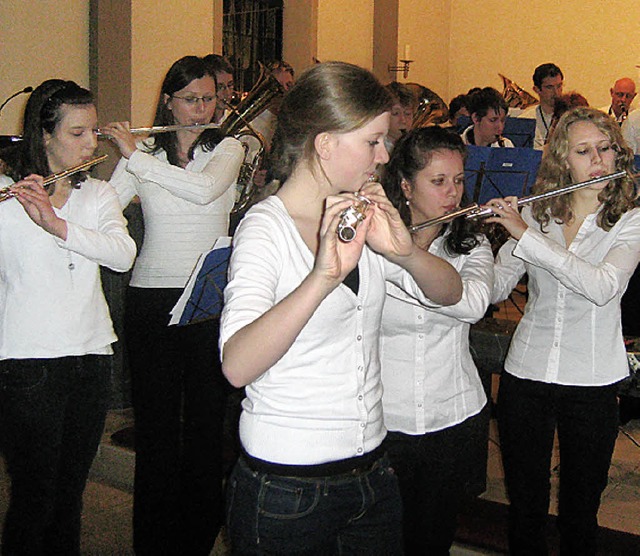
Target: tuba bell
x: 430, y: 108
x: 516, y: 96
x: 238, y: 124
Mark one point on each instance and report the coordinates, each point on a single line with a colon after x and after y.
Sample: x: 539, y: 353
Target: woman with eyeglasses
x: 185, y: 182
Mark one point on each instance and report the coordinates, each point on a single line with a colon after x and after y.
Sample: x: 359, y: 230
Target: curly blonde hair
x: 616, y: 198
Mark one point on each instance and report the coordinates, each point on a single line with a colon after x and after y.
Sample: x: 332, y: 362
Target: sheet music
x: 178, y: 309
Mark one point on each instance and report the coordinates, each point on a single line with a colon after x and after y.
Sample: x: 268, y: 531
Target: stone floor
x: 108, y: 496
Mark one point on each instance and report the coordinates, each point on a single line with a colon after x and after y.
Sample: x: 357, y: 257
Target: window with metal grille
x: 252, y: 33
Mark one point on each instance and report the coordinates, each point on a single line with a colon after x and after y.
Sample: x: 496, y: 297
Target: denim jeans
x: 344, y: 514
x: 438, y: 472
x: 586, y: 419
x: 52, y: 414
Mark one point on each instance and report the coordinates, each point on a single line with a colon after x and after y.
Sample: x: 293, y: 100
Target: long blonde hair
x: 616, y: 198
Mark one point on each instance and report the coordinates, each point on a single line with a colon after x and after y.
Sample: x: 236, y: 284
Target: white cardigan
x: 322, y: 400
x: 51, y: 297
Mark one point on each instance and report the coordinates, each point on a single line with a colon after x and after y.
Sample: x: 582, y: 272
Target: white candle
x: 407, y: 52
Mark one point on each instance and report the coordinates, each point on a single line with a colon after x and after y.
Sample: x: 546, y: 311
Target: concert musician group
x: 364, y: 421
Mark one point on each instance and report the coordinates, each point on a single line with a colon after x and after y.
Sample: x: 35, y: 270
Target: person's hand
x: 119, y: 133
x: 507, y: 215
x: 387, y: 233
x: 336, y: 258
x: 36, y: 202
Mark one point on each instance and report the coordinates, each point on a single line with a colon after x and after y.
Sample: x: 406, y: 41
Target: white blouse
x: 570, y: 332
x: 51, y: 300
x: 322, y: 400
x: 185, y: 209
x: 429, y: 377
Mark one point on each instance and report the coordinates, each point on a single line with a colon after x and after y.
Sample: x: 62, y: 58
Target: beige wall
x: 593, y: 43
x: 345, y: 31
x: 300, y: 41
x: 425, y: 26
x: 162, y: 32
x: 40, y: 40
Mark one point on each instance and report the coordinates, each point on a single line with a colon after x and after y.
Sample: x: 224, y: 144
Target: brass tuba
x: 515, y: 95
x: 430, y: 108
x: 238, y: 124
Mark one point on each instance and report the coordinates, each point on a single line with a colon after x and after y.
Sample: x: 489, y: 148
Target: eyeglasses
x: 192, y: 101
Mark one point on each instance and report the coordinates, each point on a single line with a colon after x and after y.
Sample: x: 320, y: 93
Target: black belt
x: 354, y: 467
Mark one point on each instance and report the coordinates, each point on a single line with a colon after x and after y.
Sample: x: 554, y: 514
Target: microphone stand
x: 14, y: 95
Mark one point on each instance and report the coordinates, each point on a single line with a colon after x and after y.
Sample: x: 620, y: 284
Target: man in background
x: 622, y: 94
x: 547, y: 84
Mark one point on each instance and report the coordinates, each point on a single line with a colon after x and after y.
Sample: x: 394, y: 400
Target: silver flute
x: 476, y: 211
x: 351, y: 217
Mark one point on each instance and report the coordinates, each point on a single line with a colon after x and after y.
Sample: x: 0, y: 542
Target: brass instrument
x: 624, y: 113
x: 238, y: 125
x: 476, y: 211
x: 515, y: 95
x: 430, y: 108
x: 6, y: 193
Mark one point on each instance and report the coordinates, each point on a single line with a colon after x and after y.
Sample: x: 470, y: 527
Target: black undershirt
x: 352, y: 280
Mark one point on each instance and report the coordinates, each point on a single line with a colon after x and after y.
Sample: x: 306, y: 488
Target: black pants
x: 438, y: 472
x: 52, y: 414
x: 179, y: 399
x: 586, y: 419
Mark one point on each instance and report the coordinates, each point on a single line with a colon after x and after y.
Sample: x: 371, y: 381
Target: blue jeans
x: 52, y: 414
x: 586, y: 419
x: 344, y: 514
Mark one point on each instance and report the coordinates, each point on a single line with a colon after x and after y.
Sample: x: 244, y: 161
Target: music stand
x: 462, y: 123
x: 202, y: 297
x: 477, y: 158
x: 521, y: 131
x: 501, y: 172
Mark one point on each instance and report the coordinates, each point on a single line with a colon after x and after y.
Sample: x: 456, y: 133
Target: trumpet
x: 476, y: 211
x: 624, y: 113
x: 6, y: 192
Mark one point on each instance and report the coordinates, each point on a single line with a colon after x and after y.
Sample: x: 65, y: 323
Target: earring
x: 407, y: 203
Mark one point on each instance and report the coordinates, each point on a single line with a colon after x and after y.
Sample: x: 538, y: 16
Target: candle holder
x: 404, y: 68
